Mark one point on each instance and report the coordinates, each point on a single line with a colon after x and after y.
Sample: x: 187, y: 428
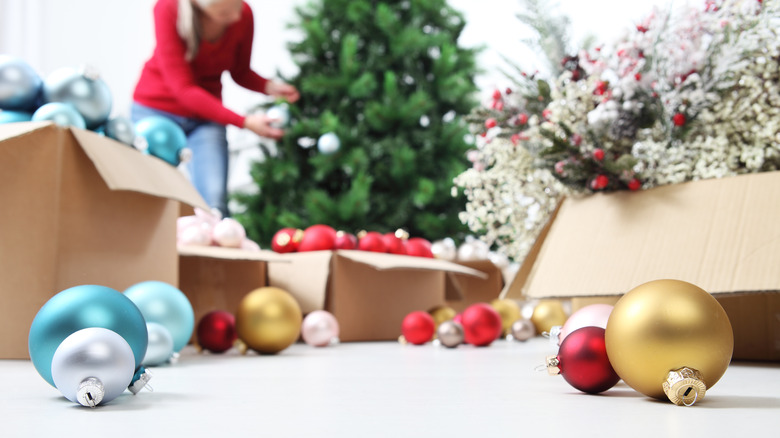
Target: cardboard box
x: 721, y: 235
x: 79, y: 208
x: 368, y: 293
x: 475, y: 289
x: 215, y: 278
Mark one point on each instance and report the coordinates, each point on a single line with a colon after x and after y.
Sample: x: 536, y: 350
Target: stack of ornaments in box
x: 209, y: 228
x: 472, y: 250
x: 322, y: 237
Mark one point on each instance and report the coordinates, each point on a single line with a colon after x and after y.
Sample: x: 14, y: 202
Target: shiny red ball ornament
x: 286, y: 240
x: 372, y: 241
x: 318, y: 238
x: 418, y: 247
x: 418, y: 327
x: 394, y: 244
x: 582, y: 361
x: 346, y: 240
x: 217, y: 331
x: 481, y: 324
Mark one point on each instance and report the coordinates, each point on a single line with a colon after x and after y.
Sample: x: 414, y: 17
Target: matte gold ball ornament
x: 268, y: 320
x: 548, y: 313
x: 509, y: 311
x: 669, y: 339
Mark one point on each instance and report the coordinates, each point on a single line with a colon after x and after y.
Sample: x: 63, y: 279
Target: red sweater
x: 194, y: 89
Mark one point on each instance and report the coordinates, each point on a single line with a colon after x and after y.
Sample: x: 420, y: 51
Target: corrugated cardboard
x: 79, y: 208
x: 475, y: 289
x: 721, y: 234
x: 368, y: 293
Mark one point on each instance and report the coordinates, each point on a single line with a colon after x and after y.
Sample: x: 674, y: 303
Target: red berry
x: 634, y: 184
x: 496, y: 95
x: 638, y: 76
x: 490, y: 123
x: 679, y: 119
x: 500, y: 105
x: 598, y: 154
x: 546, y: 114
x: 600, y: 182
x: 515, y: 139
x: 508, y: 91
x: 601, y: 88
x: 521, y: 119
x: 576, y: 139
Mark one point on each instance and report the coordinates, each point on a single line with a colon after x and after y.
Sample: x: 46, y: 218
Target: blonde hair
x: 188, y: 25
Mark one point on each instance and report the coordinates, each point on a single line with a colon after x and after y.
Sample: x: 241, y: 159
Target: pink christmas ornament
x: 250, y: 245
x: 595, y: 315
x: 319, y: 328
x: 228, y: 233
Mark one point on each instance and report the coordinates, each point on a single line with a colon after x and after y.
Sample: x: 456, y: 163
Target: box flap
x: 383, y: 261
x: 10, y: 130
x: 125, y: 168
x: 721, y: 235
x: 218, y: 252
x: 306, y: 277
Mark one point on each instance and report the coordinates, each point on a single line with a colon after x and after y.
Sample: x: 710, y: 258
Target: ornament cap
x: 140, y: 380
x: 553, y: 365
x: 555, y: 334
x: 90, y: 392
x: 684, y: 386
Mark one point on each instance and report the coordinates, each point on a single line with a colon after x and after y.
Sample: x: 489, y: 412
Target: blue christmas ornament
x: 83, y: 307
x: 82, y: 88
x: 163, y: 138
x: 160, y: 349
x: 166, y: 305
x: 63, y: 114
x: 9, y: 116
x: 120, y: 129
x: 20, y: 85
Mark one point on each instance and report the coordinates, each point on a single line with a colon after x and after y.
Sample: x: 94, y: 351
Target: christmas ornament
x: 160, y: 348
x: 286, y: 240
x: 481, y: 324
x: 450, y: 334
x: 92, y: 366
x: 548, y: 313
x: 418, y: 327
x: 372, y: 241
x: 82, y: 307
x: 509, y: 311
x: 318, y: 238
x: 418, y: 247
x: 268, y: 320
x: 582, y: 361
x: 441, y: 314
x: 320, y: 328
x: 217, y: 331
x: 9, y: 116
x: 121, y: 129
x: 194, y: 234
x: 20, y: 85
x: 279, y: 115
x: 166, y: 305
x: 63, y: 114
x: 595, y: 315
x: 249, y: 245
x: 328, y: 143
x: 393, y: 244
x: 523, y: 330
x: 669, y: 338
x: 163, y: 138
x: 472, y: 250
x: 229, y: 233
x: 444, y: 249
x: 84, y: 89
x: 346, y: 240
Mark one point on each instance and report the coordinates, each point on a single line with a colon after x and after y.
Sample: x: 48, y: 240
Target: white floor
x: 385, y: 390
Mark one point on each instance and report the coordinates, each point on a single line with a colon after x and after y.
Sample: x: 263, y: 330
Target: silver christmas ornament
x: 160, y: 348
x: 19, y: 84
x: 121, y: 129
x: 328, y: 143
x: 450, y: 334
x: 84, y: 89
x: 280, y: 116
x: 523, y: 330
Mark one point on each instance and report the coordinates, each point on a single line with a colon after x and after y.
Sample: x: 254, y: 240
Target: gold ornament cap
x: 553, y: 365
x: 684, y: 386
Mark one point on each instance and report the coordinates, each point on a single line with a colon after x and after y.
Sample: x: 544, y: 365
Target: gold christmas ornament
x: 268, y: 320
x: 669, y: 339
x: 441, y: 314
x: 509, y: 311
x: 548, y: 313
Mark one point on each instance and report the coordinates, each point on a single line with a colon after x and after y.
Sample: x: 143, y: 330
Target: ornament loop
x: 684, y: 386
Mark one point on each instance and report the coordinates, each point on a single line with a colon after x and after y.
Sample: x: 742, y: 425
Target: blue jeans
x: 208, y: 168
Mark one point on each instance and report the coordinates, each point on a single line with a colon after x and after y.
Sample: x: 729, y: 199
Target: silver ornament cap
x: 90, y: 392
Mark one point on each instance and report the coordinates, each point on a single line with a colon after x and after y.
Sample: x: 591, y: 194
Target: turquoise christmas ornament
x: 166, y: 305
x: 63, y: 114
x: 120, y: 129
x: 83, y: 307
x: 84, y: 89
x: 20, y: 85
x: 9, y: 116
x: 163, y: 139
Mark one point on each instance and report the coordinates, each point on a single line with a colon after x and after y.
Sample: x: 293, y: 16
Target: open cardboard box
x: 473, y: 289
x: 722, y: 235
x: 79, y: 208
x: 368, y: 293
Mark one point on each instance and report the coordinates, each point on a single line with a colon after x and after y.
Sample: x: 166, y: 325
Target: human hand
x: 260, y: 124
x: 283, y: 90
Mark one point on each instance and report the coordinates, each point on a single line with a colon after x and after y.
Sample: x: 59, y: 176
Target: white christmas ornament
x: 228, y: 233
x: 445, y: 249
x: 160, y: 347
x: 472, y: 250
x: 279, y: 115
x: 328, y: 143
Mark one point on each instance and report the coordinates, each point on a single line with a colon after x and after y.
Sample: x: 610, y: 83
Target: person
x: 198, y: 40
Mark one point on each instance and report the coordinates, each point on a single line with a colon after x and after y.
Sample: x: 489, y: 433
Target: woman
x: 197, y: 40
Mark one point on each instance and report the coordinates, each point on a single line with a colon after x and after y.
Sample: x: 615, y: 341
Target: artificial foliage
x: 391, y: 81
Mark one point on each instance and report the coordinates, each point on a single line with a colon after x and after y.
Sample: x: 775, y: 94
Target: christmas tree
x: 389, y: 79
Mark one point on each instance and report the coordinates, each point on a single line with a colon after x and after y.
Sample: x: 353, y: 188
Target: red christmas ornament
x: 481, y: 324
x: 418, y: 327
x: 286, y: 240
x: 394, y: 244
x: 418, y: 247
x: 679, y: 119
x: 317, y: 238
x: 372, y: 241
x: 346, y: 240
x: 634, y: 184
x: 582, y: 361
x: 598, y: 154
x: 217, y: 331
x: 599, y: 182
